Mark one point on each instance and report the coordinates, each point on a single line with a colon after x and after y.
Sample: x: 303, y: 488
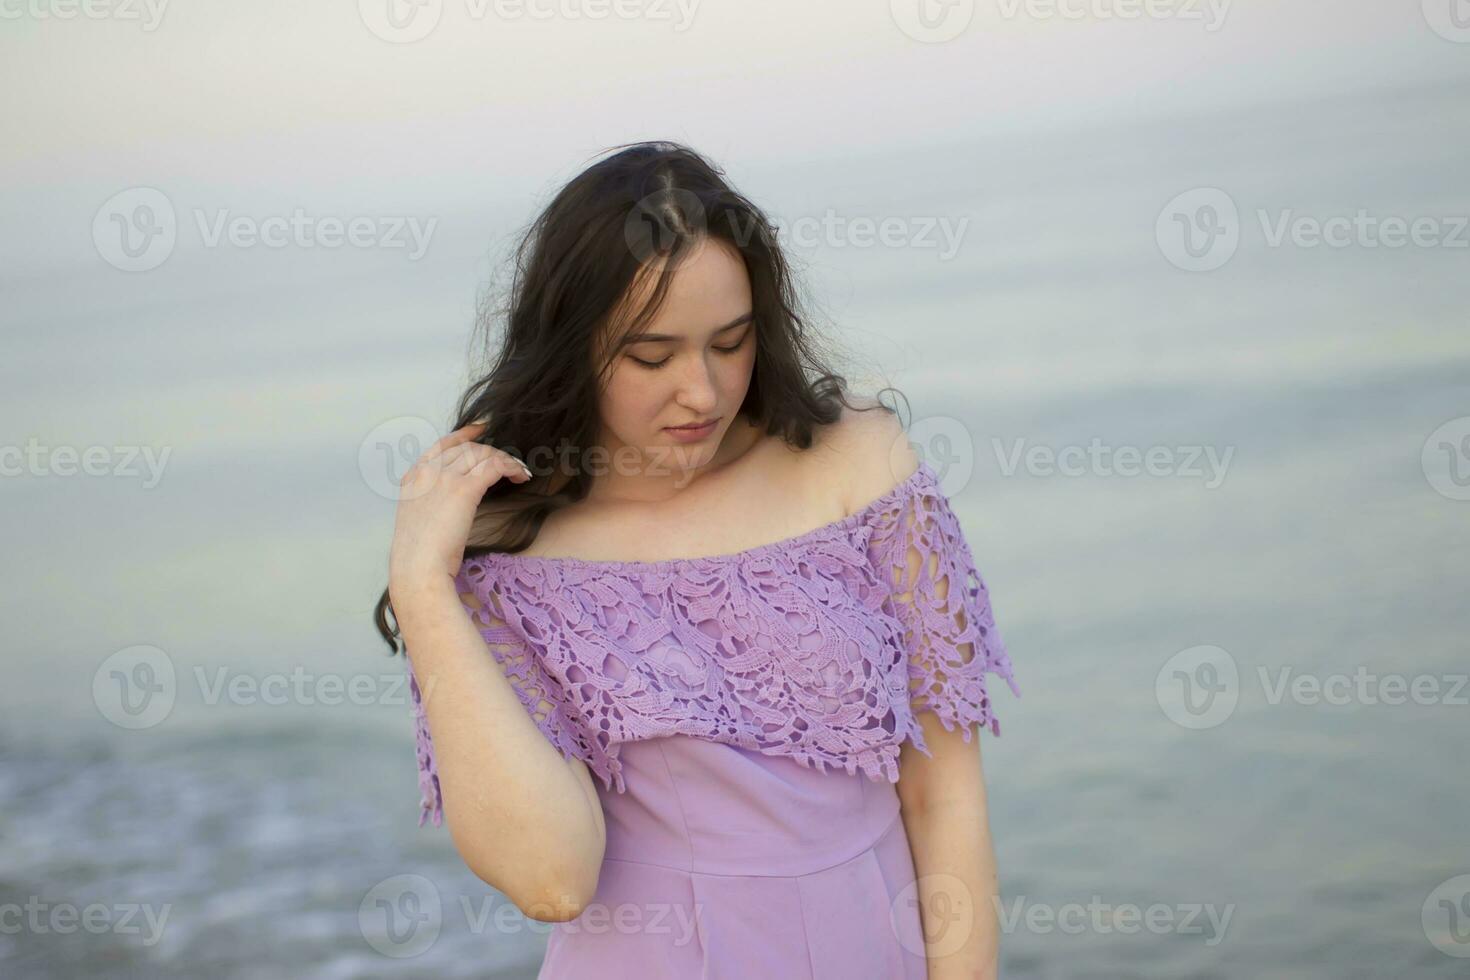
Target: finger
x: 458, y: 437
x: 471, y: 457
x: 502, y: 465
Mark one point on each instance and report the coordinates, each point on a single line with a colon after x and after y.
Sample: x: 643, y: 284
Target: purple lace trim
x: 823, y: 647
x: 429, y: 797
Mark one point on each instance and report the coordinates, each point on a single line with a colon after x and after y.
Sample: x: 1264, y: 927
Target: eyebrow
x: 651, y: 338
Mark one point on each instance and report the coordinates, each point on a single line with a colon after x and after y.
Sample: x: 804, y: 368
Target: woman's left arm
x: 942, y: 802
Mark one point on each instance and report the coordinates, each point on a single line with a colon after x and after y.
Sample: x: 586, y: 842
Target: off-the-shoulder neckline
x: 921, y: 476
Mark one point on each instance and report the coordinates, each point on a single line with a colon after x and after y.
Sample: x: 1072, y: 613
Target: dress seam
x: 806, y: 936
x: 683, y: 816
x: 897, y: 817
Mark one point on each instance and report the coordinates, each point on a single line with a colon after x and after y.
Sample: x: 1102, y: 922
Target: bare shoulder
x: 868, y: 450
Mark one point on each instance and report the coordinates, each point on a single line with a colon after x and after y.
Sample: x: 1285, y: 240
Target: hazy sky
x: 263, y: 91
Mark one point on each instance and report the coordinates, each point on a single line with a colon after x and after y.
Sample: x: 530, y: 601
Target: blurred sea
x: 1321, y: 828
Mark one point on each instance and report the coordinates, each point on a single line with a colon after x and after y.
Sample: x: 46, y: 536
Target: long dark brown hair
x: 639, y: 211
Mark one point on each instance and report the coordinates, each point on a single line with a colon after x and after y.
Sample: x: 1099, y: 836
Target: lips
x: 690, y: 428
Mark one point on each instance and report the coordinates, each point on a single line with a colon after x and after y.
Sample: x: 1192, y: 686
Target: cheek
x: 632, y: 396
x: 735, y: 375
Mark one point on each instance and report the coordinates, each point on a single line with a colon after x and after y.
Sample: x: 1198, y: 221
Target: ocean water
x: 1293, y: 838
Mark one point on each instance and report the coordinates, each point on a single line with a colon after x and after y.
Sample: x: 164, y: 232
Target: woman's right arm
x: 526, y: 820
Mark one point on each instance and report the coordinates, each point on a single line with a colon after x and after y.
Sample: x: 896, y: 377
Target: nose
x: 697, y: 391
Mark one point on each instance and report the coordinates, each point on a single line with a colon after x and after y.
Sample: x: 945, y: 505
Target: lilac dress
x: 744, y: 714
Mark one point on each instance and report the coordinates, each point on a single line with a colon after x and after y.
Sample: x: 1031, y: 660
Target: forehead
x: 707, y: 289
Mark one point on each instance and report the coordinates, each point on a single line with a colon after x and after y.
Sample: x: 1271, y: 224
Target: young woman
x: 736, y: 639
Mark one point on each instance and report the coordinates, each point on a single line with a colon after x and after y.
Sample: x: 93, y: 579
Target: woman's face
x: 692, y: 363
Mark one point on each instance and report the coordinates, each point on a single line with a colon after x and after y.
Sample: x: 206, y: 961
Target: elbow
x: 551, y: 874
x: 555, y: 899
x: 544, y: 890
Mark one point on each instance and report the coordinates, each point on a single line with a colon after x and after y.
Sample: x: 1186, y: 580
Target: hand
x: 436, y: 507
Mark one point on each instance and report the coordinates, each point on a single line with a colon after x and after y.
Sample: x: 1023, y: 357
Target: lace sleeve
x: 950, y: 636
x: 543, y: 698
x: 430, y: 802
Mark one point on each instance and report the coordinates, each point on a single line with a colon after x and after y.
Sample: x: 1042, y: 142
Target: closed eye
x: 655, y: 365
